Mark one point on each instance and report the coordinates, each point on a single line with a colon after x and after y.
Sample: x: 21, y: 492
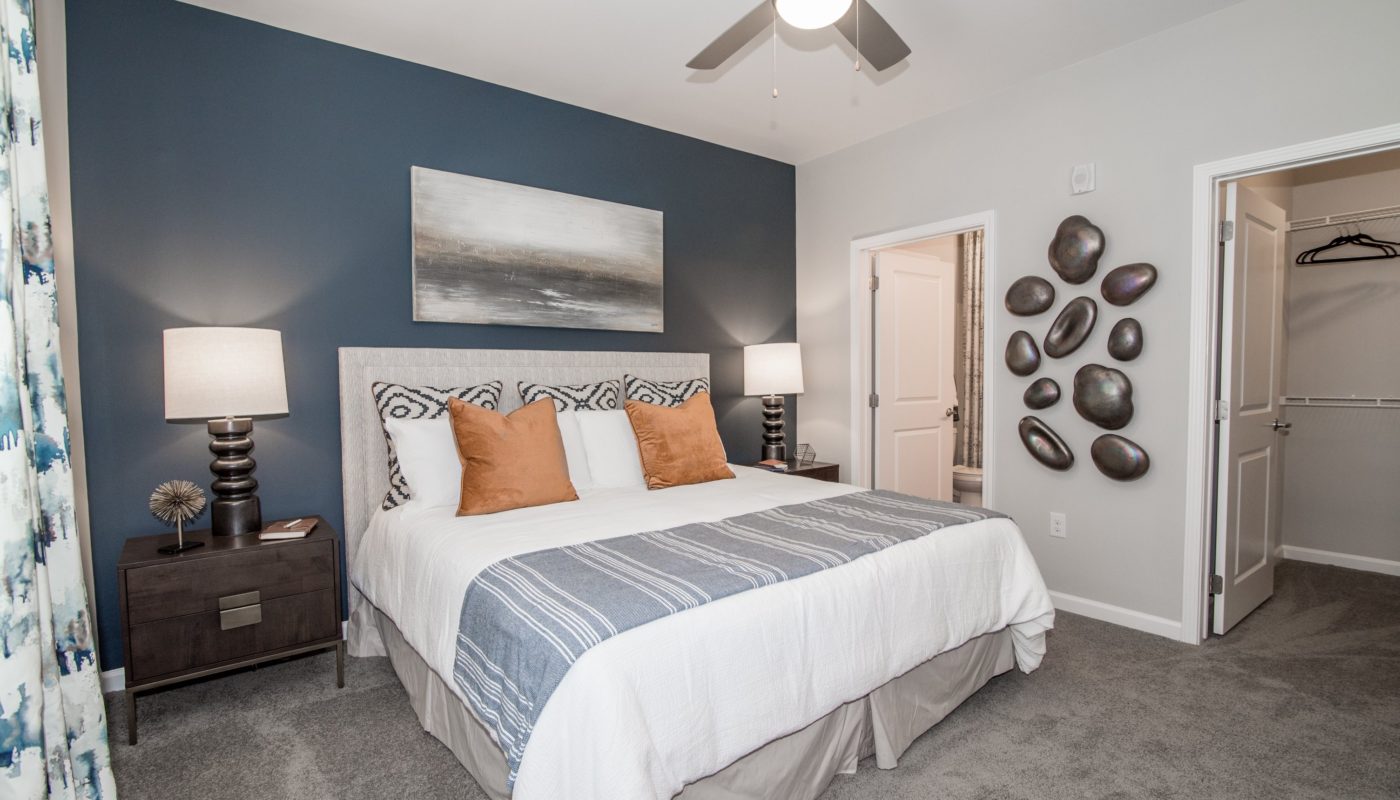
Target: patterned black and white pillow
x: 396, y: 401
x: 664, y: 393
x: 601, y: 396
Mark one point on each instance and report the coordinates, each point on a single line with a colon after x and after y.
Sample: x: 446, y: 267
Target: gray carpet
x: 1301, y: 701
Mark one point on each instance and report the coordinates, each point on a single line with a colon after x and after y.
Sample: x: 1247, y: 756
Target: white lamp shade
x: 224, y: 372
x: 811, y: 14
x: 773, y: 368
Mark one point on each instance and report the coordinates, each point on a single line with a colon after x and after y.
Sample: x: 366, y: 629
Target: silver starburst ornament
x: 175, y: 503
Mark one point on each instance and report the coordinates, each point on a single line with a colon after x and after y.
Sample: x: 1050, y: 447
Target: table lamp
x: 227, y: 376
x: 773, y: 370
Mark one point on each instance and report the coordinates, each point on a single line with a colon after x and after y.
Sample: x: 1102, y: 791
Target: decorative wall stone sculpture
x: 1022, y: 356
x: 1043, y: 393
x: 1044, y: 444
x: 1125, y: 340
x: 1103, y: 395
x: 1029, y: 296
x: 1119, y: 458
x: 1127, y: 283
x: 1071, y: 327
x: 1076, y: 248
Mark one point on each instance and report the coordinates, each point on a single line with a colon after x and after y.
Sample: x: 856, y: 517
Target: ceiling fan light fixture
x: 810, y: 14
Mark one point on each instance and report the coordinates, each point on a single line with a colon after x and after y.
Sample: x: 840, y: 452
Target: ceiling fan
x: 862, y: 26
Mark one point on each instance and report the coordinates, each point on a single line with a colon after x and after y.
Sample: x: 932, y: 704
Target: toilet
x: 967, y: 485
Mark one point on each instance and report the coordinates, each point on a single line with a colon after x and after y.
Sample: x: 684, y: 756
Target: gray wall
x: 230, y: 173
x: 1341, y: 464
x: 1236, y: 82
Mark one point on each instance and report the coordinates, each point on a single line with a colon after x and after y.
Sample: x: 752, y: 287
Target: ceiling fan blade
x: 879, y: 45
x: 734, y: 39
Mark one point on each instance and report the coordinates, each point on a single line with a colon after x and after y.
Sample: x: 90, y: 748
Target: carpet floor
x: 1302, y: 700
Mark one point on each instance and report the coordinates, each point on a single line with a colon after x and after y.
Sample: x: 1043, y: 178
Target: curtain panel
x: 53, y: 729
x: 969, y: 441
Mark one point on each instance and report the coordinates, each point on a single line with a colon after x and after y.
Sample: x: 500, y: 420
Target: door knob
x: 952, y: 412
x: 1282, y: 426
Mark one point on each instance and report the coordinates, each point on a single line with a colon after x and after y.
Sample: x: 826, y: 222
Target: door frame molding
x: 1205, y: 338
x: 861, y: 321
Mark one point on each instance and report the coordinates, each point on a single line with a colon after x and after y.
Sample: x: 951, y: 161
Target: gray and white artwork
x: 501, y: 254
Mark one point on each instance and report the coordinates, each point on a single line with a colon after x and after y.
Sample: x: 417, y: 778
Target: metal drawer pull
x: 239, y: 617
x: 235, y: 600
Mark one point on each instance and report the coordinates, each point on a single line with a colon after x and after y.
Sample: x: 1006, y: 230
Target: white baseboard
x: 114, y: 680
x: 1366, y: 563
x: 1128, y: 618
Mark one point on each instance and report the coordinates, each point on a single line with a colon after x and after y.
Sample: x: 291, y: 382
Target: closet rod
x: 1341, y: 402
x: 1388, y: 212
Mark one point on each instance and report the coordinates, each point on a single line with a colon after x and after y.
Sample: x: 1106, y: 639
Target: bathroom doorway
x: 923, y: 362
x: 1308, y: 398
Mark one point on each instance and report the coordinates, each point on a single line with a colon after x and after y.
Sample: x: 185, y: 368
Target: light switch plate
x: 1081, y: 179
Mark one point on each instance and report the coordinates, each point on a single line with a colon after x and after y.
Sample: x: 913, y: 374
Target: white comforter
x: 667, y: 703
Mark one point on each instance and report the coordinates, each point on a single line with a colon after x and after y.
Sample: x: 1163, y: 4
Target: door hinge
x: 1227, y: 231
x: 874, y: 283
x: 1222, y: 410
x: 1217, y: 584
x: 874, y: 400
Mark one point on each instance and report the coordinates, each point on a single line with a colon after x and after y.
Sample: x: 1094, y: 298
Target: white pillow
x: 427, y: 453
x: 574, y: 451
x: 613, y: 458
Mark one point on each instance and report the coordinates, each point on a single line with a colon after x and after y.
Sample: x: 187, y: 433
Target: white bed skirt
x: 796, y: 767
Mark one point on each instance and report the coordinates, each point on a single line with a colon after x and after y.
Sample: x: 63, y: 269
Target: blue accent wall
x: 230, y: 173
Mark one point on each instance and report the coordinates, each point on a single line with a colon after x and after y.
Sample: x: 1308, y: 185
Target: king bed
x: 763, y: 693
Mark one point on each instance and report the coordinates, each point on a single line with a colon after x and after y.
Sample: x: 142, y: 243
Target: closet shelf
x: 1388, y: 212
x: 1341, y: 402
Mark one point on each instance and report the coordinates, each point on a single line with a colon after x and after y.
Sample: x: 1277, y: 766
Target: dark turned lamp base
x: 774, y: 445
x: 235, y: 509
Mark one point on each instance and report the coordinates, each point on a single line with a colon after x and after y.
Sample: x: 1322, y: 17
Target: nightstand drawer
x: 197, y: 641
x: 176, y: 589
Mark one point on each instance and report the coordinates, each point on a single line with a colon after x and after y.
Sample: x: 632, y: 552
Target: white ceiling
x: 627, y: 57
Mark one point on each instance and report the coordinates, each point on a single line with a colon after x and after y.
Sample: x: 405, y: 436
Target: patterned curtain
x: 53, y: 728
x: 969, y: 443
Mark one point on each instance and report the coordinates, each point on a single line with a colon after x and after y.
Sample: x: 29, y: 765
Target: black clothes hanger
x: 1387, y: 250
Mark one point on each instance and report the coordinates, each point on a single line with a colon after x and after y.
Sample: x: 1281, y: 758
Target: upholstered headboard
x: 363, y: 453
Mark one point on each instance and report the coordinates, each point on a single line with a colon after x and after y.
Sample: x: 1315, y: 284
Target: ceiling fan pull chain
x: 857, y: 35
x: 775, y: 51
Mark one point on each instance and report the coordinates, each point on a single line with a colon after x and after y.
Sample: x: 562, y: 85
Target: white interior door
x: 914, y: 309
x: 1249, y: 479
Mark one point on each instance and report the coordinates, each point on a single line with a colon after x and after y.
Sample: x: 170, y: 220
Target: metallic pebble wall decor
x: 1127, y: 283
x: 1044, y: 444
x: 1071, y: 327
x: 1076, y: 248
x: 1119, y: 458
x: 1022, y: 356
x: 1103, y: 395
x: 1125, y: 340
x: 1042, y: 393
x: 1029, y: 296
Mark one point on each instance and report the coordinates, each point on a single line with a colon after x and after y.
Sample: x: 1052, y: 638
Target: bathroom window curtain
x: 969, y: 442
x: 53, y: 728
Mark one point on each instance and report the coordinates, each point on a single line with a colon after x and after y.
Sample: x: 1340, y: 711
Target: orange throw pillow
x: 509, y: 461
x: 679, y: 445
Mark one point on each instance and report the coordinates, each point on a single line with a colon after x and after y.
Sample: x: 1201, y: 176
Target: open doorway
x: 920, y: 329
x: 1307, y: 442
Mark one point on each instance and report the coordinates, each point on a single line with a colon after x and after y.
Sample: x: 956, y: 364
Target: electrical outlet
x: 1059, y: 528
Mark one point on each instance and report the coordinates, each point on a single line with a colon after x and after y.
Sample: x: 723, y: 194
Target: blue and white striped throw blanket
x: 526, y: 619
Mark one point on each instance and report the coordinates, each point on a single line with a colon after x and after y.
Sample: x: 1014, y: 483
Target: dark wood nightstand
x: 820, y: 470
x: 235, y: 602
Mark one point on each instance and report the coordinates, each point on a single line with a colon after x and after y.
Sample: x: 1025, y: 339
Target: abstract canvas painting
x: 498, y: 253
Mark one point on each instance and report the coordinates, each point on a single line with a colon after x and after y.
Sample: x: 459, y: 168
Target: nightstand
x: 820, y: 470
x: 236, y: 602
